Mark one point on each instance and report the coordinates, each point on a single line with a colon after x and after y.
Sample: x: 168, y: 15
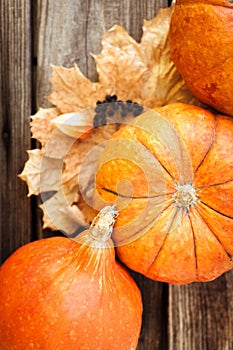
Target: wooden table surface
x: 35, y: 34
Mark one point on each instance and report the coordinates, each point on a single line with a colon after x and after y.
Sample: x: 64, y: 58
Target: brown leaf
x: 120, y: 64
x: 31, y: 172
x: 60, y: 213
x: 83, y: 151
x: 72, y: 91
x: 42, y: 126
x: 41, y: 173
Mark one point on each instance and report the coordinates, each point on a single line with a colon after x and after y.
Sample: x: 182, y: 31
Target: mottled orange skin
x: 201, y: 41
x: 166, y: 242
x: 58, y: 294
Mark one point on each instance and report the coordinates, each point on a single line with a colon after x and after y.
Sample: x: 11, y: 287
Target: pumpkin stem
x: 185, y: 196
x: 102, y: 225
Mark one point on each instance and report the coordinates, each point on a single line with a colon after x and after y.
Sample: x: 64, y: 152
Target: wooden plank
x: 67, y: 32
x: 200, y: 315
x: 15, y: 108
x: 154, y: 324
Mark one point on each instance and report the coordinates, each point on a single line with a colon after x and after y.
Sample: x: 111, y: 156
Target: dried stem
x: 102, y: 225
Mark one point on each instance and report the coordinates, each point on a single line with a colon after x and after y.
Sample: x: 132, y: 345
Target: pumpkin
x: 57, y: 293
x: 170, y: 173
x: 201, y: 40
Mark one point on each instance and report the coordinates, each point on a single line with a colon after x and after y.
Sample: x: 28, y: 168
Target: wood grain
x: 15, y: 109
x: 64, y: 32
x: 200, y: 315
x: 154, y: 324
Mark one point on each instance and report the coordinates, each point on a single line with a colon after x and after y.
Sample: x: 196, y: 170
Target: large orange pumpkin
x: 201, y: 39
x: 57, y: 293
x: 171, y: 175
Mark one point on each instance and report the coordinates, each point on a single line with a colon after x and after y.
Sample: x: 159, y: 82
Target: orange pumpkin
x: 201, y: 40
x: 57, y: 293
x: 170, y: 174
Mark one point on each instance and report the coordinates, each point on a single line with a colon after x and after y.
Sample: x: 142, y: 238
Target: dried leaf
x: 42, y: 126
x: 66, y: 164
x: 121, y: 65
x: 41, y: 173
x: 31, y: 172
x: 60, y: 212
x: 72, y: 91
x: 58, y: 145
x: 83, y: 152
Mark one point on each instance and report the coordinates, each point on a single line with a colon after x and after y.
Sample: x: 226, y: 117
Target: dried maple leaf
x: 42, y: 126
x: 41, y: 173
x: 31, y: 171
x: 60, y: 212
x: 127, y: 70
x: 72, y: 91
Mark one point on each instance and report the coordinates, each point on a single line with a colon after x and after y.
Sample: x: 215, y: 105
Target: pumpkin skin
x: 201, y: 41
x: 174, y: 195
x: 57, y: 293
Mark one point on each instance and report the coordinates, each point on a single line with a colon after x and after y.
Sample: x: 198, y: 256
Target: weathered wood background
x: 35, y: 34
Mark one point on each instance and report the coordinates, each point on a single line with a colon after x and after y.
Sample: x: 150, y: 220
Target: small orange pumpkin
x: 170, y: 173
x: 201, y: 40
x: 57, y: 293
